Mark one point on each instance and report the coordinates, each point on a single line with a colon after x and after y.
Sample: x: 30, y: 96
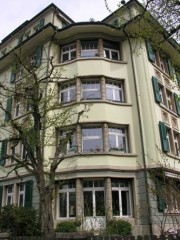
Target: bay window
x: 89, y: 48
x: 67, y: 200
x: 93, y: 198
x: 68, y: 52
x: 111, y: 50
x: 67, y: 141
x: 90, y: 89
x: 121, y: 197
x: 118, y: 139
x: 114, y: 91
x: 92, y: 139
x: 67, y: 92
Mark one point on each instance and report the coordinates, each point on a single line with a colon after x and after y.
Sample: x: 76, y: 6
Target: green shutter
x: 178, y: 78
x: 171, y: 70
x: 3, y: 152
x: 13, y: 73
x: 160, y: 195
x: 41, y: 23
x: 150, y: 52
x: 38, y: 56
x: 156, y: 89
x: 163, y: 134
x: 177, y: 103
x: 1, y: 195
x: 8, y: 109
x: 28, y: 194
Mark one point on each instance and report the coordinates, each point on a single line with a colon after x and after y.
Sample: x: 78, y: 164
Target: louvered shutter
x: 3, y: 153
x: 8, y: 109
x: 163, y: 134
x: 177, y: 103
x: 150, y: 52
x: 156, y: 89
x: 28, y: 194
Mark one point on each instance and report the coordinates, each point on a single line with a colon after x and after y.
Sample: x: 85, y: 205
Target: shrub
x: 19, y: 220
x: 119, y: 227
x: 67, y: 226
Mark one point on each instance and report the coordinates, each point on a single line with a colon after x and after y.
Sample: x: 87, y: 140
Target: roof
x: 52, y: 5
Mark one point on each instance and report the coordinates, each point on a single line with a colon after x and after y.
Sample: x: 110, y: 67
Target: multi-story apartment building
x: 132, y: 126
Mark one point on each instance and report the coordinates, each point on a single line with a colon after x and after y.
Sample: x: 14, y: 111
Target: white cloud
x: 15, y: 12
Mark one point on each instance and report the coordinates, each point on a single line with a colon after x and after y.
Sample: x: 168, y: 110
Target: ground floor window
x: 93, y: 192
x: 121, y: 197
x: 67, y: 200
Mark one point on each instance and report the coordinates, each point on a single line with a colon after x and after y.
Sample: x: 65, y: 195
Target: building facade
x: 132, y: 126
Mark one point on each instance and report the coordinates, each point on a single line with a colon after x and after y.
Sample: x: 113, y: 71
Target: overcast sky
x: 15, y: 12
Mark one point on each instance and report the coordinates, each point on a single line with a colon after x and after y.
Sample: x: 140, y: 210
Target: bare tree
x: 33, y: 114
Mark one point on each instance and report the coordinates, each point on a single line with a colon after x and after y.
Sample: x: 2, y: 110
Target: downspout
x: 141, y: 133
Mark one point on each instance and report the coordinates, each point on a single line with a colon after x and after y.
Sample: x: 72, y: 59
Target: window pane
x: 63, y: 205
x: 88, y: 205
x: 73, y: 55
x: 92, y: 145
x: 109, y: 94
x: 114, y: 55
x: 21, y: 200
x: 72, y: 204
x: 125, y: 203
x: 65, y: 57
x: 100, y: 210
x: 115, y: 203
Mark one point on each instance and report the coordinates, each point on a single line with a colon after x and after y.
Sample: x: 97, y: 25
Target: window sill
x: 164, y: 73
x: 173, y: 156
x: 168, y: 110
x: 91, y: 58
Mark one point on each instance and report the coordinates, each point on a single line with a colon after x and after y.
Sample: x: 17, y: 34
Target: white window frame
x: 69, y: 149
x: 9, y: 194
x: 93, y: 190
x: 90, y: 86
x: 92, y: 137
x: 21, y: 192
x: 17, y: 107
x: 176, y: 144
x: 68, y: 49
x: 120, y: 189
x: 114, y: 86
x: 124, y: 149
x: 67, y: 191
x: 67, y: 88
x: 23, y: 152
x: 89, y: 49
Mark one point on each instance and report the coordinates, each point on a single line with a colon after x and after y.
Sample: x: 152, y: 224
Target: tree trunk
x: 47, y: 222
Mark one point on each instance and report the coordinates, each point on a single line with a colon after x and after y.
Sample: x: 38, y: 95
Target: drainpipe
x: 141, y: 133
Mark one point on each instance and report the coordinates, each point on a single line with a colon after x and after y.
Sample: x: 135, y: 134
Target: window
x: 114, y: 91
x: 67, y: 141
x: 163, y: 95
x: 21, y: 195
x: 168, y: 199
x: 9, y: 195
x: 170, y: 101
x: 13, y: 150
x: 121, y: 197
x: 90, y: 89
x: 23, y: 152
x: 176, y: 143
x: 111, y: 50
x: 93, y: 198
x: 92, y: 139
x: 68, y: 92
x: 89, y: 48
x: 68, y: 52
x: 67, y: 200
x: 17, y: 107
x: 118, y: 139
